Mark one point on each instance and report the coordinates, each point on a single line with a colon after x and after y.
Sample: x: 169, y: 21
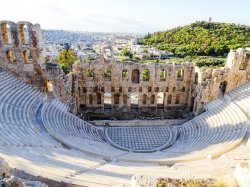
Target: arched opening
x: 98, y: 98
x: 196, y: 76
x: 107, y: 74
x: 90, y: 99
x: 116, y: 99
x: 145, y: 75
x: 163, y: 75
x: 10, y: 56
x: 177, y: 99
x: 192, y: 105
x: 144, y: 99
x: 26, y: 57
x: 24, y: 33
x: 134, y: 100
x: 245, y: 62
x: 6, y: 33
x: 125, y: 99
x: 160, y: 100
x: 152, y: 99
x: 89, y: 72
x: 169, y: 100
x: 149, y: 89
x: 135, y: 77
x: 183, y: 89
x: 223, y: 87
x: 48, y: 86
x: 180, y: 74
x: 167, y: 89
x: 107, y: 100
x: 125, y: 75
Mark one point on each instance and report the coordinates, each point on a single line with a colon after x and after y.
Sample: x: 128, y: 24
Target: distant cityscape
x: 88, y: 45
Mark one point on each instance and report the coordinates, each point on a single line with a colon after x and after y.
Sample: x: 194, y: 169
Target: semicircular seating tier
x: 90, y: 160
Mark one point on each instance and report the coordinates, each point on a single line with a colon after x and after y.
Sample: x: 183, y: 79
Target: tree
x: 66, y: 59
x: 126, y: 52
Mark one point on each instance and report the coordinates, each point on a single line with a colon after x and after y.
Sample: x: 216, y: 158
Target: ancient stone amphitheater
x: 41, y: 136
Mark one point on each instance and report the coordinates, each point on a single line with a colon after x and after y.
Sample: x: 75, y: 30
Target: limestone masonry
x: 170, y: 87
x: 42, y: 137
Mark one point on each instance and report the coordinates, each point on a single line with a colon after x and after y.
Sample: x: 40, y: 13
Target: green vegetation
x: 66, y: 59
x: 89, y: 72
x: 107, y: 73
x: 126, y: 52
x: 145, y: 74
x: 202, y: 61
x: 204, y: 43
x: 125, y: 74
x: 201, y: 38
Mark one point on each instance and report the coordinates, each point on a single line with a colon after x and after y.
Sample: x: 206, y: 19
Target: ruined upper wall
x: 20, y: 46
x: 21, y: 49
x: 182, y: 84
x: 21, y: 52
x: 213, y: 83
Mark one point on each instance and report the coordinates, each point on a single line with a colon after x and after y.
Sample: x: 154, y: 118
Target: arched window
x: 116, y: 99
x: 144, y: 99
x: 177, y: 99
x: 196, y: 76
x: 6, y: 33
x: 145, y: 75
x: 90, y: 99
x: 98, y: 98
x: 125, y: 98
x: 26, y: 57
x: 10, y: 56
x: 107, y: 100
x: 48, y: 86
x: 89, y: 72
x: 107, y: 74
x: 244, y: 62
x: 134, y: 100
x: 160, y: 100
x: 24, y: 33
x: 152, y: 99
x: 169, y: 101
x: 180, y: 74
x: 163, y: 75
x: 135, y: 77
x: 191, y: 104
x: 223, y: 87
x: 125, y: 74
x: 183, y: 89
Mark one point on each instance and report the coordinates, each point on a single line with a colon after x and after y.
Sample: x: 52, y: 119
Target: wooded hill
x: 201, y: 39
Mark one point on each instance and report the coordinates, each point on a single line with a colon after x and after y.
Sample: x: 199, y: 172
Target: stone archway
x: 49, y: 87
x: 135, y: 77
x: 107, y: 100
x: 223, y: 87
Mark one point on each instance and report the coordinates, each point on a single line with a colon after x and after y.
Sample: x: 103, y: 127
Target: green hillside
x: 201, y: 39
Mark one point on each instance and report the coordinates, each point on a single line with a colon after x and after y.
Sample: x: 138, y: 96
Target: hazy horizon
x: 140, y: 16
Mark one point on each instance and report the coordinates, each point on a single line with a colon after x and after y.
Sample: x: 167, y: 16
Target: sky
x: 136, y: 16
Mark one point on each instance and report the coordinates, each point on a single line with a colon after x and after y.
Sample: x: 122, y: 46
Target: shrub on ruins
x: 126, y: 52
x: 200, y: 38
x: 202, y: 61
x: 66, y: 59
